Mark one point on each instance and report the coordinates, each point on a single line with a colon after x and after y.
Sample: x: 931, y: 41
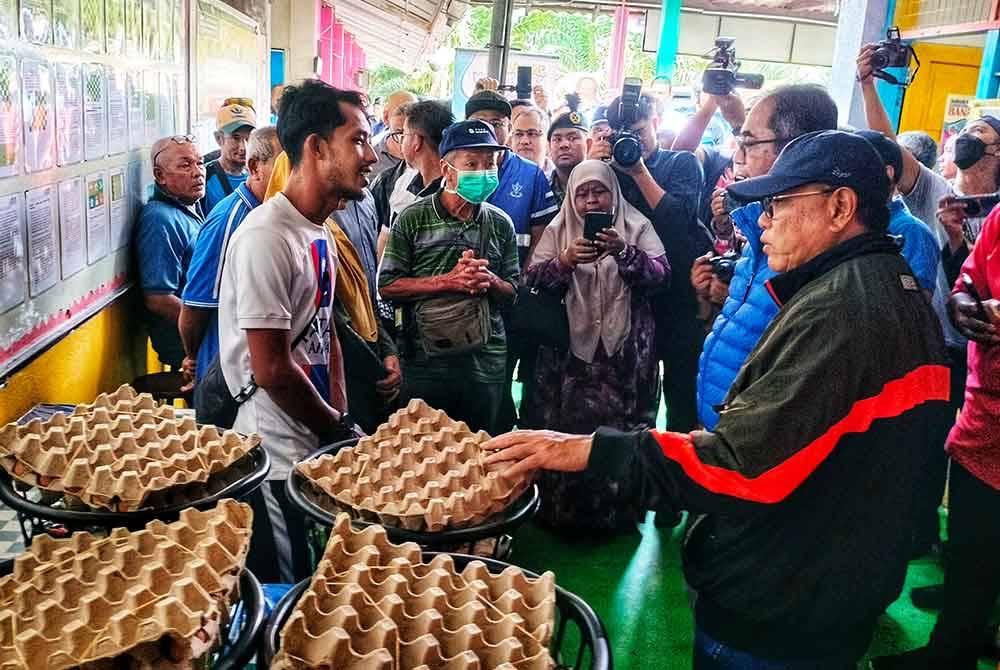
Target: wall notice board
x: 86, y: 86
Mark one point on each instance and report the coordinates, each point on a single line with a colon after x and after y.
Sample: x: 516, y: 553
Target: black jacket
x: 802, y: 497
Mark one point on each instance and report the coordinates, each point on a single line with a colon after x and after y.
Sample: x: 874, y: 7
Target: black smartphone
x: 595, y: 222
x: 978, y: 205
x: 970, y: 288
x: 523, y: 88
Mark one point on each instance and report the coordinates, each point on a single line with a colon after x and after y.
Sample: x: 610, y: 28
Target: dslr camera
x: 626, y: 148
x: 891, y: 52
x: 723, y: 74
x: 724, y: 266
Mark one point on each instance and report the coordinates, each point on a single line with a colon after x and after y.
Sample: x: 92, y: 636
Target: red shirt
x: 975, y: 439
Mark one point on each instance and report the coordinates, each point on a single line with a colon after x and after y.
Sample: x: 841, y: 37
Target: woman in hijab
x: 609, y: 376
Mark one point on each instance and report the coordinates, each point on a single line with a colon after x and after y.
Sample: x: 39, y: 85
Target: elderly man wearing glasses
x: 747, y: 309
x: 164, y: 237
x: 801, y: 498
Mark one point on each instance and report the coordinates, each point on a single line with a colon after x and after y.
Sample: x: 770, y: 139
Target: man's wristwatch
x: 347, y: 422
x: 623, y: 253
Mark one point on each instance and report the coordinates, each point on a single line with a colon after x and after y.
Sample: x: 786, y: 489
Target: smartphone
x: 595, y: 222
x: 978, y: 205
x: 970, y: 288
x: 523, y: 88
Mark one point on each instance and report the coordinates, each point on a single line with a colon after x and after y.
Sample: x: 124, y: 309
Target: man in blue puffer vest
x: 775, y: 120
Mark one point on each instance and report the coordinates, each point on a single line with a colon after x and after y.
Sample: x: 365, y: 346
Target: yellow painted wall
x: 944, y: 70
x: 105, y: 352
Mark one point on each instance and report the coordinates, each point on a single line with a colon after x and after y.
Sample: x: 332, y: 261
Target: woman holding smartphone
x: 609, y: 375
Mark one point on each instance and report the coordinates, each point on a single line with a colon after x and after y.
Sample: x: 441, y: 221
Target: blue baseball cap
x: 831, y: 157
x: 468, y: 135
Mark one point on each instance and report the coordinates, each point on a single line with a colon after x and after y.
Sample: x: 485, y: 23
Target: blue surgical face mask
x: 476, y: 186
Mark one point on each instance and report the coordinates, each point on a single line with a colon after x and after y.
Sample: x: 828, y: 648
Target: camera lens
x: 627, y: 151
x: 880, y: 59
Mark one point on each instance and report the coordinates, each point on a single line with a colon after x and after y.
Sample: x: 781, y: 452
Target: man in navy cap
x: 802, y: 495
x: 567, y: 138
x: 435, y: 249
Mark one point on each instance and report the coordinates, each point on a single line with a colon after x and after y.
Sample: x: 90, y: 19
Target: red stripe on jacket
x: 926, y: 383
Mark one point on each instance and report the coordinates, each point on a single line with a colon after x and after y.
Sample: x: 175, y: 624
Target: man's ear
x: 312, y: 145
x: 158, y: 174
x: 253, y: 164
x: 843, y: 204
x: 219, y: 137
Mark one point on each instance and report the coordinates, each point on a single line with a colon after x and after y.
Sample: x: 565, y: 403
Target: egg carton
x: 427, y: 476
x: 117, y: 461
x: 126, y: 400
x: 373, y: 605
x: 156, y: 598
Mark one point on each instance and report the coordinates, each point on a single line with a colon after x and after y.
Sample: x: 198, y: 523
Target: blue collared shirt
x: 204, y: 275
x: 526, y: 196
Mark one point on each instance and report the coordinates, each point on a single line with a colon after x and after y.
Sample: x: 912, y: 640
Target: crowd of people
x: 811, y: 304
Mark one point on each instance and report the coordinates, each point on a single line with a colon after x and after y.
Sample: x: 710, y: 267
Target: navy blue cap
x: 993, y: 122
x: 891, y: 153
x: 468, y: 135
x: 600, y: 116
x: 830, y: 157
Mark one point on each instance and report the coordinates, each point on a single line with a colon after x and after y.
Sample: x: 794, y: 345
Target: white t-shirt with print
x: 279, y: 267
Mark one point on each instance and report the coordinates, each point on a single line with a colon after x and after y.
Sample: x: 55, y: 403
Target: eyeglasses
x: 768, y: 202
x: 243, y: 102
x: 745, y: 143
x: 397, y: 136
x: 176, y: 139
x: 521, y: 134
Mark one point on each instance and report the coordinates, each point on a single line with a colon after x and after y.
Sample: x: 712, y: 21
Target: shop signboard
x: 956, y: 115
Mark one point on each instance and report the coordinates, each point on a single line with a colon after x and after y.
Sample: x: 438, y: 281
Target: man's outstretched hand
x: 528, y: 450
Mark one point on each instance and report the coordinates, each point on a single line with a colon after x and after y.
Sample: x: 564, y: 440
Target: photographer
x: 664, y: 186
x: 773, y: 122
x: 930, y: 198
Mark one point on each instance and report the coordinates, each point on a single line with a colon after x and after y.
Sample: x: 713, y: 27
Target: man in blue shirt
x: 524, y: 193
x: 920, y: 249
x: 198, y: 318
x: 167, y: 228
x: 234, y: 123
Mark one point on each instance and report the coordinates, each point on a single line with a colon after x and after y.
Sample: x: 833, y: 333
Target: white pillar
x: 303, y: 22
x: 859, y: 22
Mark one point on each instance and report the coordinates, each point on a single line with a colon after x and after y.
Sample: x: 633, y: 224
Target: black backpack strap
x: 214, y: 169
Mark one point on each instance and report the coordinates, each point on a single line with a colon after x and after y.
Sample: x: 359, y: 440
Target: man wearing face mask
x: 454, y: 244
x: 929, y: 197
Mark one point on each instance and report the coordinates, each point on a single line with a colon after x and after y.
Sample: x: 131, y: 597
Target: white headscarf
x: 598, y: 302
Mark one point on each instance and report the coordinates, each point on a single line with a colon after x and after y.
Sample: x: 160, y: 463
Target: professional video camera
x: 891, y: 52
x: 722, y: 74
x: 626, y: 148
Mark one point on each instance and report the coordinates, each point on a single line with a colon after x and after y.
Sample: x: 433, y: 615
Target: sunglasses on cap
x: 243, y: 102
x: 176, y: 139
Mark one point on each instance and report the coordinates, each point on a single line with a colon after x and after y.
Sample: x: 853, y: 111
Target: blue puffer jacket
x: 745, y: 315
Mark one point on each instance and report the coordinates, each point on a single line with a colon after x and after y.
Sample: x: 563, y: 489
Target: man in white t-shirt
x: 279, y: 354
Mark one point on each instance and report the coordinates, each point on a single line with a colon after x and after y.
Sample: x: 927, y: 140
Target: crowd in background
x: 322, y: 271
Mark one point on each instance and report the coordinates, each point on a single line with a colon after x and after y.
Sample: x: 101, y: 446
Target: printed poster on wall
x: 36, y: 21
x: 66, y: 23
x: 136, y: 120
x: 43, y: 239
x: 92, y: 22
x: 98, y: 238
x: 120, y: 221
x: 956, y: 115
x: 95, y: 112
x: 114, y: 14
x: 38, y: 114
x: 10, y: 117
x: 117, y: 112
x: 69, y: 113
x: 72, y: 238
x: 13, y: 288
x: 150, y: 105
x: 8, y: 19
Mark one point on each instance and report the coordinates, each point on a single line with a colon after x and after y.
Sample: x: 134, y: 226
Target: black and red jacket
x: 802, y: 498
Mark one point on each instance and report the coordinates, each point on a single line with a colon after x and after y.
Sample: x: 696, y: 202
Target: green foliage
x: 386, y: 79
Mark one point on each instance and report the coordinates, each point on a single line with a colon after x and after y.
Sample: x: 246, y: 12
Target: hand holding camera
x: 875, y: 59
x: 723, y: 74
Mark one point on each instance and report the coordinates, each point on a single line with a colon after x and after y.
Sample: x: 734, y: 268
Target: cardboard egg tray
x: 155, y: 599
x: 373, y: 605
x: 420, y: 471
x: 117, y: 460
x: 126, y: 400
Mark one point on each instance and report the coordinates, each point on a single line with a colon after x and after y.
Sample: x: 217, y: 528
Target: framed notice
x: 98, y: 234
x: 72, y: 235
x: 43, y: 239
x: 92, y: 20
x: 95, y: 112
x: 13, y: 270
x: 10, y: 117
x: 36, y: 21
x: 117, y: 111
x: 66, y: 23
x: 69, y: 113
x: 120, y: 218
x: 38, y: 115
